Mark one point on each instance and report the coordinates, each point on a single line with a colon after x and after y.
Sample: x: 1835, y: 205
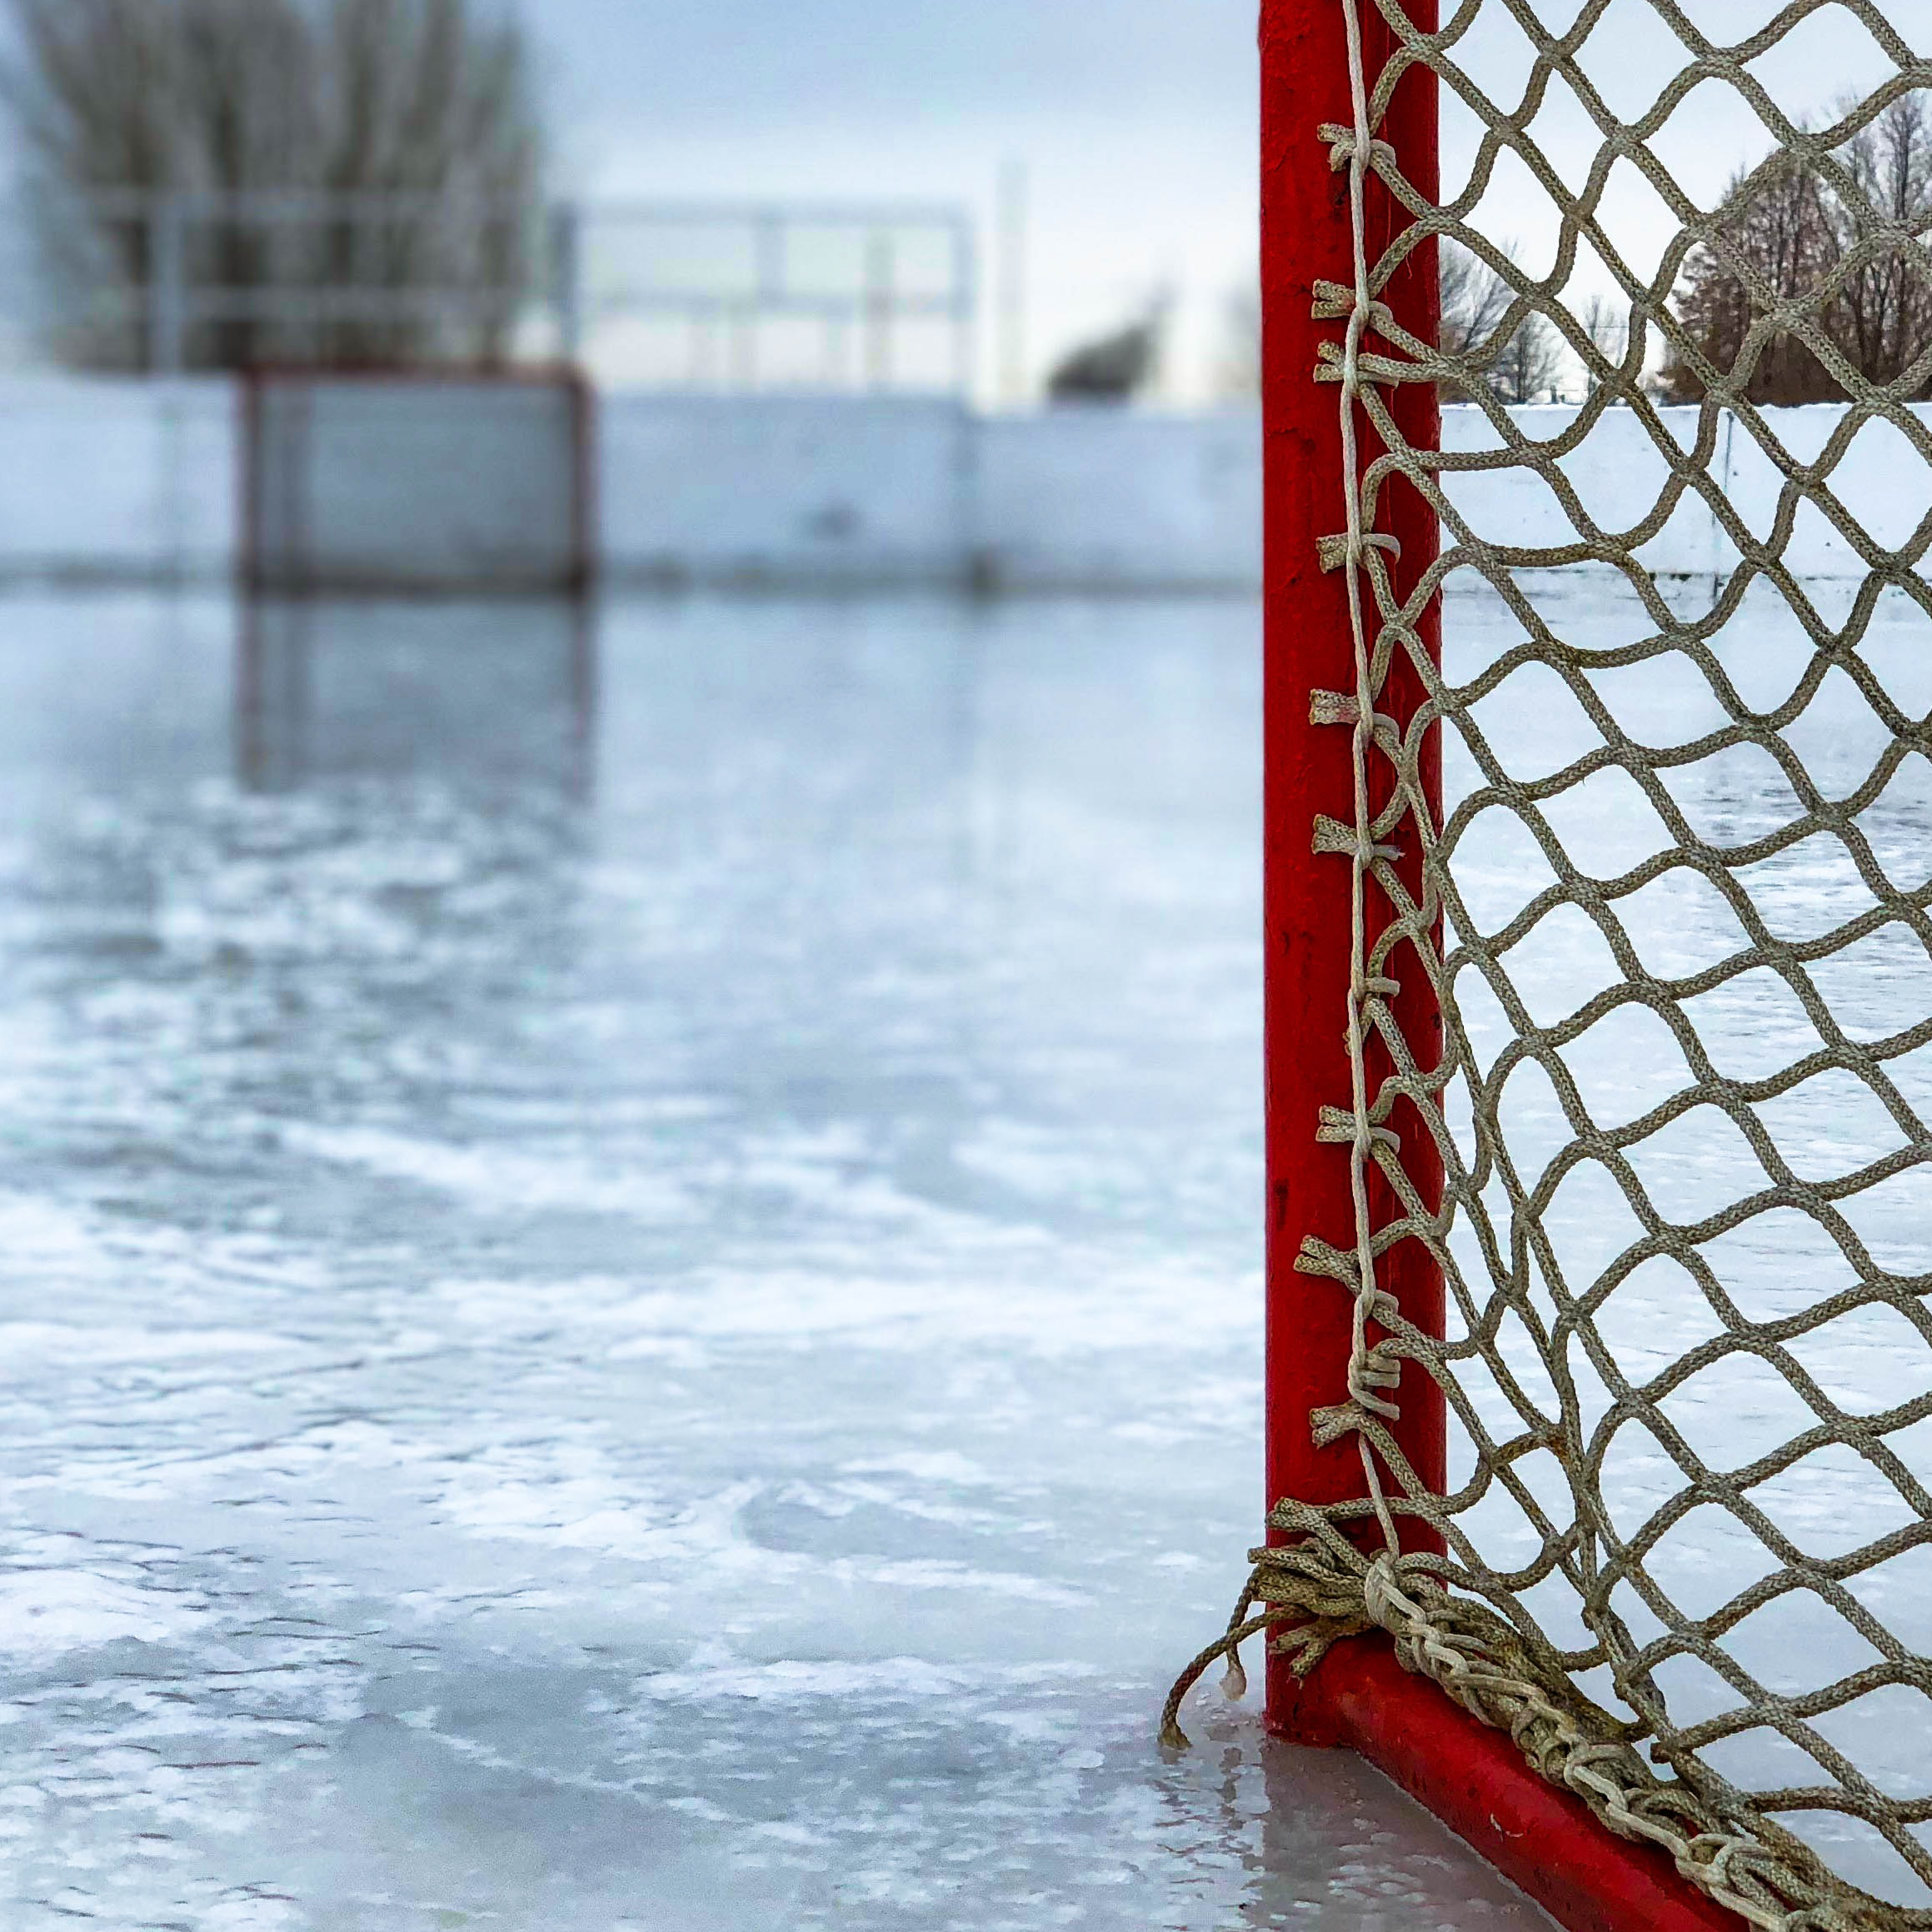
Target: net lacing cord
x: 1319, y: 1587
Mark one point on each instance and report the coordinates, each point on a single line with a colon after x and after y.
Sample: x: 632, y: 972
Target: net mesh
x: 1677, y: 914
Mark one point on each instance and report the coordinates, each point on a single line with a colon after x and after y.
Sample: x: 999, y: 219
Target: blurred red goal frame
x: 580, y: 576
x: 1471, y: 1777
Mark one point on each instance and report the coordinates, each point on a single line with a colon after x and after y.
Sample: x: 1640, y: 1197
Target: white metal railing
x: 886, y: 294
x: 873, y: 305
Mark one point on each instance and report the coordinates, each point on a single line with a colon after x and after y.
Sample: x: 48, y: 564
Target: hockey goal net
x: 425, y: 480
x: 1600, y: 929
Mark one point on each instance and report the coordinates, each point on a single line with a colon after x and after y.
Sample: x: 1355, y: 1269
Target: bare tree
x: 1115, y: 367
x: 429, y: 103
x: 1787, y: 235
x: 1531, y: 368
x: 1882, y: 318
x: 1607, y: 323
x: 1475, y: 304
x: 124, y: 103
x: 1474, y: 300
x: 1775, y: 223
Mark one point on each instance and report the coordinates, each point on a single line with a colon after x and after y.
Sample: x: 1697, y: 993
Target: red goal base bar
x: 1477, y: 1783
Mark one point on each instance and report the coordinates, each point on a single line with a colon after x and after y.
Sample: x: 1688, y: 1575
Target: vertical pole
x: 965, y: 308
x: 167, y: 286
x: 837, y: 349
x: 1307, y: 235
x: 566, y: 270
x: 1012, y: 247
x: 771, y: 250
x: 744, y: 345
x: 879, y: 303
x: 1473, y: 1778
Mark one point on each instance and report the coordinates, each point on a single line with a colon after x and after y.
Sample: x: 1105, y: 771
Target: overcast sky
x: 1136, y: 119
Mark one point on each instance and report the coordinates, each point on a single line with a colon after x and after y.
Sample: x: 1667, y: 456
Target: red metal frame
x: 1471, y: 1777
x: 582, y: 575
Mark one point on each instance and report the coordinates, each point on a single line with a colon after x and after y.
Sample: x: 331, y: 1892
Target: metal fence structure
x: 739, y: 296
x: 830, y: 296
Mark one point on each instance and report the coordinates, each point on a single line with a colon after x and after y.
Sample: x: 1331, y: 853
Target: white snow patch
x: 46, y: 1613
x: 961, y: 1577
x: 68, y: 1345
x: 1149, y: 1303
x: 496, y: 1178
x: 38, y: 1234
x: 792, y: 1679
x: 935, y: 1466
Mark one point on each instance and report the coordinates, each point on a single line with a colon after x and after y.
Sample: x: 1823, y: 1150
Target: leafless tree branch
x: 426, y: 98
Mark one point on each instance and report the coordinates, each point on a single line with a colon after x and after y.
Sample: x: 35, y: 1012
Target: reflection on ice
x: 500, y: 691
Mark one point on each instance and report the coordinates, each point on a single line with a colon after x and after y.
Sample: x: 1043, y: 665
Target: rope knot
x: 1343, y: 143
x: 1333, y: 553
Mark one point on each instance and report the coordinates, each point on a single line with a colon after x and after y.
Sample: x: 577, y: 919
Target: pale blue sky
x: 685, y: 63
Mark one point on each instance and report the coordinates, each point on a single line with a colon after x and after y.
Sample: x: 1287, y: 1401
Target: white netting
x: 1675, y: 909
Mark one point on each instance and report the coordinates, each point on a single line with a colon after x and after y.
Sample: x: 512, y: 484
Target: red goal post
x: 1472, y: 1777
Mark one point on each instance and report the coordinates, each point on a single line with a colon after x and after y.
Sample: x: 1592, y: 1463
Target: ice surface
x: 642, y: 1313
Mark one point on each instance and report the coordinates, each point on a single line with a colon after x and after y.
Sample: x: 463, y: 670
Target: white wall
x: 111, y: 479
x: 114, y: 479
x: 853, y: 490
x: 1112, y: 499
x: 783, y: 489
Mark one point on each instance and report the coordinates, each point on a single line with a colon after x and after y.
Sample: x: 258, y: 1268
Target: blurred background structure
x: 206, y: 184
x: 812, y: 363
x: 218, y: 185
x: 1006, y: 207
x: 925, y: 298
x: 986, y: 319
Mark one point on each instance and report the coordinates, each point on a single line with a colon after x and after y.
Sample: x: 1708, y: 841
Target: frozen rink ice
x: 636, y: 1305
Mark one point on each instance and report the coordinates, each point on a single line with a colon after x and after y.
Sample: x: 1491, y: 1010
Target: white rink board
x: 117, y: 480
x: 123, y: 480
x: 1619, y: 473
x: 783, y: 489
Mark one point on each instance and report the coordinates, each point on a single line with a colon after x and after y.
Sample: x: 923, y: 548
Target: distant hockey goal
x: 1600, y: 940
x: 436, y: 482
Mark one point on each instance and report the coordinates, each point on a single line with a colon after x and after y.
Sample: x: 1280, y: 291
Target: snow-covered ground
x: 656, y: 1328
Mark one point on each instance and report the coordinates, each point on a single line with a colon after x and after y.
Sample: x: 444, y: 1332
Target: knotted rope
x: 1321, y: 1589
